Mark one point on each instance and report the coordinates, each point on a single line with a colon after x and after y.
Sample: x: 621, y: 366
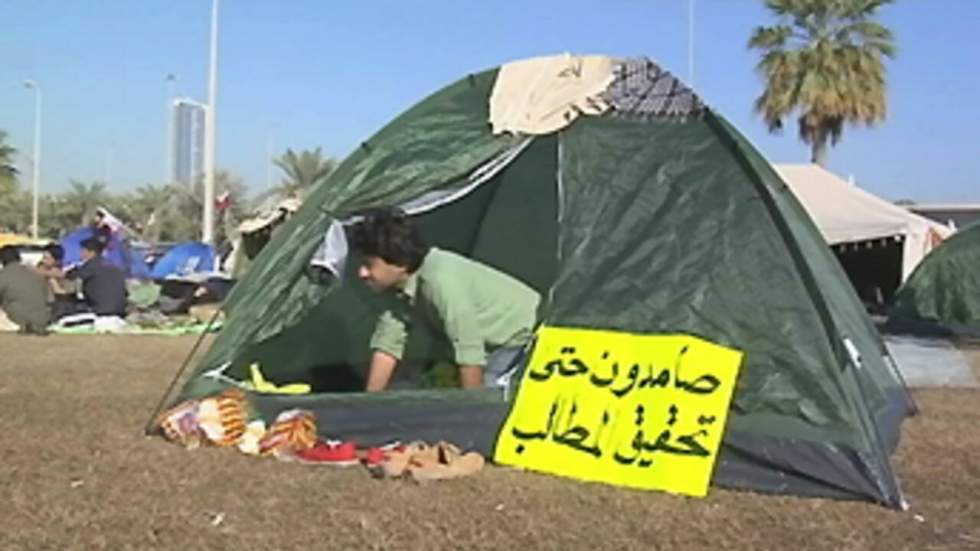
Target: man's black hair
x: 9, y: 255
x: 93, y: 244
x: 390, y: 235
x: 56, y: 251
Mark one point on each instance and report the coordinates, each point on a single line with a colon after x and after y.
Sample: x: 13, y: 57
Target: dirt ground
x: 77, y: 473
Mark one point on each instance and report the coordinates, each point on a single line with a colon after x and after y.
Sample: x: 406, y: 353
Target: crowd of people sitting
x: 34, y: 297
x: 103, y: 284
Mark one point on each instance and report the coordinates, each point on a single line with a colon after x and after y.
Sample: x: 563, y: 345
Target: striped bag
x: 179, y: 424
x: 294, y: 430
x: 223, y: 418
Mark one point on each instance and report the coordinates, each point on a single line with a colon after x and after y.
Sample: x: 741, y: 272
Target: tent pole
x: 893, y: 365
x: 148, y: 428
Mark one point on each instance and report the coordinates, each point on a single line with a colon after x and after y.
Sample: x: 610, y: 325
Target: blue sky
x: 307, y: 73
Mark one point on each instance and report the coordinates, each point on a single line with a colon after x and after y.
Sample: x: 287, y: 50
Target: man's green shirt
x: 476, y: 308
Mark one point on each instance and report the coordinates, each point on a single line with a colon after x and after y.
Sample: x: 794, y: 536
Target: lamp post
x: 690, y: 43
x: 169, y: 147
x: 268, y: 161
x: 207, y: 232
x: 33, y: 84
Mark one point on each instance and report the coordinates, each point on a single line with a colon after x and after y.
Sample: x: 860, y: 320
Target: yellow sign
x: 644, y: 411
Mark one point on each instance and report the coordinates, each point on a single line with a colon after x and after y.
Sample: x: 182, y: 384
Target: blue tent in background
x: 184, y: 259
x: 117, y: 252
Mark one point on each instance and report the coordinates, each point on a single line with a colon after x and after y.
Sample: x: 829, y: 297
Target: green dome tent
x: 656, y: 216
x: 943, y: 293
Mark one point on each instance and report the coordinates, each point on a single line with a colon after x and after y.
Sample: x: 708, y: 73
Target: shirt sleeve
x: 390, y: 335
x: 78, y: 272
x: 455, y: 309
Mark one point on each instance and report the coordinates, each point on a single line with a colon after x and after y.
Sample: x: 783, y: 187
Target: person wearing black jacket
x: 103, y: 284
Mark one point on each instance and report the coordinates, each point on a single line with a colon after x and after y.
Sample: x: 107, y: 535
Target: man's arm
x: 388, y: 343
x: 47, y: 272
x: 382, y: 366
x: 471, y: 376
x: 78, y: 272
x: 55, y: 277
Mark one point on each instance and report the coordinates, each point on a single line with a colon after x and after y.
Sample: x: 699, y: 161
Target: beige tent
x: 847, y: 214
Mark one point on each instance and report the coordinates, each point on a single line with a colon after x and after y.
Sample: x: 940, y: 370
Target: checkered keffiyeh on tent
x: 642, y: 88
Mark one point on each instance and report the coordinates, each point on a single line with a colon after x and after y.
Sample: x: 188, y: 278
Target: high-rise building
x: 188, y: 141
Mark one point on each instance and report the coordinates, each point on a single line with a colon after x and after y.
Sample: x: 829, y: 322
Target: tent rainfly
x: 943, y: 294
x: 608, y: 186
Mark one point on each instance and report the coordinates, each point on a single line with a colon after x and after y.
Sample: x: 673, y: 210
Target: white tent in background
x: 847, y: 214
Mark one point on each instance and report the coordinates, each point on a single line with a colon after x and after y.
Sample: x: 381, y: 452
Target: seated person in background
x: 103, y: 284
x: 485, y: 315
x: 61, y: 293
x: 212, y: 290
x: 23, y: 293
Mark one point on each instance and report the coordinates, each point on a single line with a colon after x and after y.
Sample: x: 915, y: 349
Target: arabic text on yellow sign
x: 643, y: 411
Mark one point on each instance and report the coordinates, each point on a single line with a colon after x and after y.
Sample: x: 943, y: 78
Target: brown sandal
x: 424, y: 462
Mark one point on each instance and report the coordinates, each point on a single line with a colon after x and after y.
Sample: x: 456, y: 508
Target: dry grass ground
x: 76, y: 473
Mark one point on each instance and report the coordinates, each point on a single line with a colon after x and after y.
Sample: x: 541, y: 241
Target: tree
x: 8, y: 172
x: 76, y: 206
x: 174, y: 212
x: 11, y: 216
x: 15, y: 211
x: 303, y: 172
x: 823, y: 60
x: 146, y: 208
x: 169, y: 213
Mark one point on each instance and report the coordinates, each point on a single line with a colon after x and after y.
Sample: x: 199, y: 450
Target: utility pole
x: 207, y: 232
x: 169, y: 148
x: 33, y: 84
x: 690, y: 43
x: 268, y: 161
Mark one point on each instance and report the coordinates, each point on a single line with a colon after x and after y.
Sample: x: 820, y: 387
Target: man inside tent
x: 103, y: 284
x: 23, y: 295
x: 484, y: 315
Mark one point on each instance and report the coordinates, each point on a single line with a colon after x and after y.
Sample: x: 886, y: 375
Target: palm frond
x: 302, y: 172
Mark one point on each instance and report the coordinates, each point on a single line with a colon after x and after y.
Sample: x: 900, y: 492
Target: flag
x: 223, y: 201
x: 108, y: 220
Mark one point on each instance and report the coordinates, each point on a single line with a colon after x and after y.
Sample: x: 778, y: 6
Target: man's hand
x: 48, y: 271
x: 382, y: 366
x: 471, y: 376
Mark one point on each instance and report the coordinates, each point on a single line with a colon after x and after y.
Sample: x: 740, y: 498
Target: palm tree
x: 8, y: 172
x: 145, y: 208
x: 15, y: 211
x: 175, y: 210
x: 76, y: 205
x: 303, y: 172
x: 824, y: 60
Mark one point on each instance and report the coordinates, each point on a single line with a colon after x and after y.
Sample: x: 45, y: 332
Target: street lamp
x: 168, y: 150
x: 37, y: 152
x: 690, y: 43
x: 268, y: 160
x: 207, y: 233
